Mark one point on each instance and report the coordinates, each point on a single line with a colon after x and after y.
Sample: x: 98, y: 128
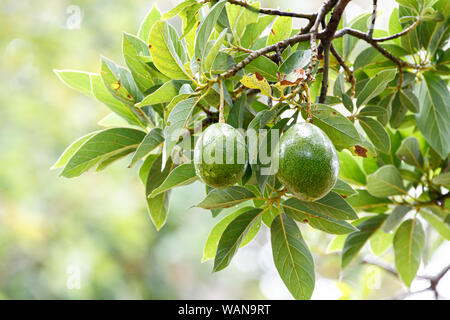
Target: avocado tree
x: 362, y: 114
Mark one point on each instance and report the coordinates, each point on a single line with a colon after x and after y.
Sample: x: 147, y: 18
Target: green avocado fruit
x: 220, y: 156
x: 308, y: 163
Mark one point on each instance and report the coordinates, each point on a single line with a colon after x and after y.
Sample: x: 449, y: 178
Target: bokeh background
x: 95, y: 228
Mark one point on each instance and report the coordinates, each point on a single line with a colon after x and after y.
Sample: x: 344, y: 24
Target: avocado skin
x: 308, y: 162
x: 220, y: 175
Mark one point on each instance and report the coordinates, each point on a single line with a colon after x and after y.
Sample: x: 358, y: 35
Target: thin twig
x: 397, y: 35
x: 374, y: 17
x: 273, y: 12
x: 323, y: 10
x: 326, y: 68
x: 346, y: 68
x: 384, y: 52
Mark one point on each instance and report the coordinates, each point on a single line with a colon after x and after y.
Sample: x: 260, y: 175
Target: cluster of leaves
x: 390, y: 123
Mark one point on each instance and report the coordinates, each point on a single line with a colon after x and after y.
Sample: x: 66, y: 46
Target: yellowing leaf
x: 257, y: 81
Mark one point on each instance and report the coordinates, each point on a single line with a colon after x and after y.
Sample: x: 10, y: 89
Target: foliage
x: 385, y: 111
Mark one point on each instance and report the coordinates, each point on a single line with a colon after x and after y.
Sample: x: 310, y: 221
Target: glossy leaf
x: 167, y: 51
x: 376, y: 133
x: 102, y: 145
x: 409, y: 242
x: 71, y: 149
x: 300, y: 212
x: 182, y: 175
x: 292, y: 257
x: 385, y: 182
x: 338, y: 128
x: 396, y: 216
x: 375, y: 86
x: 356, y: 240
x: 209, y: 251
x: 409, y: 151
x: 343, y: 188
x: 205, y: 28
x: 233, y: 236
x: 152, y: 140
x: 78, y: 80
x: 151, y: 17
x: 224, y: 198
x: 350, y: 170
x: 434, y: 116
x: 163, y: 94
x: 437, y: 223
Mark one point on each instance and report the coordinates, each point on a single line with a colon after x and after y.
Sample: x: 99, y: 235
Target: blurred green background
x: 91, y: 237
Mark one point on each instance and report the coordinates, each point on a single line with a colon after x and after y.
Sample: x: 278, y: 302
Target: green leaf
x: 102, y: 94
x: 437, y: 223
x: 120, y: 82
x: 133, y: 48
x: 350, y: 170
x: 158, y: 206
x: 386, y: 181
x: 365, y: 201
x: 254, y: 30
x: 409, y: 242
x: 180, y: 176
x: 151, y: 17
x: 356, y: 240
x: 336, y: 244
x: 281, y: 29
x: 443, y: 179
x: 380, y: 241
x: 332, y: 205
x: 434, y: 117
x: 300, y: 212
x: 224, y: 198
x: 395, y: 217
x: 298, y: 59
x: 232, y: 237
x: 375, y: 86
x: 409, y: 151
x: 163, y: 94
x: 376, y: 133
x: 409, y: 100
x: 343, y: 188
x: 292, y: 257
x: 264, y: 66
x: 152, y: 140
x: 210, y: 249
x: 102, y: 145
x: 78, y: 80
x: 71, y: 149
x: 178, y: 119
x: 167, y: 51
x: 205, y: 28
x: 113, y: 120
x: 338, y: 128
x: 212, y: 54
x: 178, y: 9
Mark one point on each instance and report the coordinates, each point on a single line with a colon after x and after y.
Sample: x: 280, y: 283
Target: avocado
x: 220, y: 156
x: 308, y: 163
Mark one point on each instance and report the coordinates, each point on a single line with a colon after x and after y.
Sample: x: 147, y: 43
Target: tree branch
x: 397, y: 35
x: 374, y: 43
x: 324, y: 9
x: 434, y: 280
x: 273, y: 12
x: 255, y: 54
